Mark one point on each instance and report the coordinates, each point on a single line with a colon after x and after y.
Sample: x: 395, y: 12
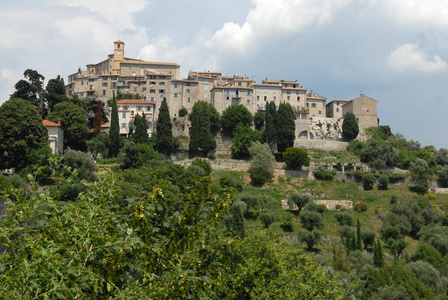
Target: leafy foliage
x: 183, y: 112
x: 243, y: 137
x: 114, y: 132
x: 200, y: 133
x: 286, y: 127
x: 350, y: 127
x: 165, y: 141
x: 21, y: 131
x: 324, y: 174
x: 204, y: 164
x: 367, y: 181
x: 267, y: 219
x: 310, y: 238
x: 311, y: 220
x: 82, y: 162
x: 141, y: 129
x: 262, y: 162
x: 233, y: 115
x: 295, y: 158
x: 298, y: 200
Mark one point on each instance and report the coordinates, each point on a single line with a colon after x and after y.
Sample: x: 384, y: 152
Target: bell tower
x: 118, y: 57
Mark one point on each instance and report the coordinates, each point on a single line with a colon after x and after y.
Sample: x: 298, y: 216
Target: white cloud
x: 431, y: 13
x: 117, y: 12
x: 409, y: 58
x: 273, y: 18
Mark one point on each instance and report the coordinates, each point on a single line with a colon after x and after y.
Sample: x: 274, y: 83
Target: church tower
x: 118, y: 57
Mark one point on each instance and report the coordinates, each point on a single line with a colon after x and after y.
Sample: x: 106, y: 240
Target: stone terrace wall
x: 321, y: 144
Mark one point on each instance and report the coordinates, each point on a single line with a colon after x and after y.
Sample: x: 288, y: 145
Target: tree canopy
x: 286, y: 127
x: 350, y: 127
x: 21, y: 131
x: 234, y: 114
x: 114, y: 131
x: 165, y: 141
x: 30, y: 89
x: 200, y: 132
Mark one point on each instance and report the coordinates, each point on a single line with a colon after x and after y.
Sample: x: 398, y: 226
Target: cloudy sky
x: 395, y: 51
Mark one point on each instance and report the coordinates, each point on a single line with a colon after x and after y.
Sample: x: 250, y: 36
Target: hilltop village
x: 150, y: 82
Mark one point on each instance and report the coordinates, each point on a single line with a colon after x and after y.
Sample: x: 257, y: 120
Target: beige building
x: 147, y: 80
x: 315, y: 105
x: 127, y: 110
x: 365, y: 110
x: 55, y: 136
x: 334, y: 108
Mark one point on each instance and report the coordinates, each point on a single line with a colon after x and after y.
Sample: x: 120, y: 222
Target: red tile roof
x: 50, y: 124
x: 134, y: 101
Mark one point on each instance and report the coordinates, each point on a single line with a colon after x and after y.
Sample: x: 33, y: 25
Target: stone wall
x: 321, y: 144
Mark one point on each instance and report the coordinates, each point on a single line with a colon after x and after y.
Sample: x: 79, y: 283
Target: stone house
x: 127, y: 109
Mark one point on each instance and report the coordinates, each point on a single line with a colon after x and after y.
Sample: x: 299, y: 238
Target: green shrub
x: 319, y: 208
x: 4, y: 183
x: 391, y: 232
x: 310, y: 238
x: 344, y: 218
x: 226, y: 180
x: 211, y: 156
x: 197, y: 170
x: 367, y: 182
x: 267, y: 219
x: 82, y: 162
x: 394, y: 178
x: 324, y: 174
x: 18, y: 182
x: 383, y: 182
x: 393, y: 199
x: 204, y: 164
x: 183, y: 112
x: 67, y: 191
x: 295, y: 158
x: 360, y: 206
x: 287, y: 222
x: 257, y: 177
x: 311, y: 220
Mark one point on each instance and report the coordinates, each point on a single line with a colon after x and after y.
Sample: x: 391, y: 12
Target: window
x: 206, y: 80
x: 123, y: 115
x: 248, y: 93
x: 161, y: 91
x: 275, y: 98
x: 133, y: 73
x: 289, y: 97
x: 82, y: 82
x: 337, y: 109
x: 104, y: 83
x: 206, y: 88
x: 114, y: 85
x: 313, y: 105
x: 320, y: 112
x: 288, y: 92
x: 258, y: 106
x: 77, y: 89
x: 265, y: 98
x: 188, y: 99
x: 298, y: 98
x: 132, y: 113
x: 135, y: 89
x: 175, y: 85
x: 227, y: 92
x: 152, y: 91
x: 104, y: 92
x: 123, y: 125
x: 248, y: 102
x: 206, y: 96
x: 139, y: 108
x: 188, y: 91
x: 176, y: 95
x: 258, y: 98
x: 152, y: 99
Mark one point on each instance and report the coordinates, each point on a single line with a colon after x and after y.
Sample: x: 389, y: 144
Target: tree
x: 234, y: 114
x: 98, y: 120
x: 298, y: 200
x: 267, y: 219
x: 286, y: 127
x: 114, y: 132
x: 183, y: 112
x: 367, y: 182
x: 270, y: 128
x: 358, y: 235
x: 311, y: 220
x: 259, y: 118
x: 350, y: 127
x: 200, y: 133
x: 396, y: 246
x: 55, y: 92
x: 141, y: 129
x: 215, y: 120
x: 378, y: 255
x: 31, y: 89
x: 295, y: 158
x: 427, y: 274
x: 368, y: 238
x: 243, y: 137
x: 73, y: 120
x: 419, y: 176
x: 344, y: 218
x: 262, y: 160
x: 165, y: 141
x: 21, y: 132
x: 383, y: 182
x: 98, y: 144
x: 310, y: 238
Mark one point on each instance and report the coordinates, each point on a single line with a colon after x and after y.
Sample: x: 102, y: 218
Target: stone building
x: 128, y: 108
x: 315, y: 105
x: 365, y: 110
x: 334, y: 108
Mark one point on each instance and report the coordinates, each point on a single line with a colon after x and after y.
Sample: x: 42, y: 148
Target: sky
x: 394, y: 51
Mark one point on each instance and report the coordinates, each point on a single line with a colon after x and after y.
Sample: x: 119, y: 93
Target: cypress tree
x: 114, y: 133
x: 165, y: 141
x: 238, y: 221
x: 358, y: 235
x: 200, y: 133
x: 378, y: 256
x: 270, y: 124
x: 286, y: 127
x: 350, y: 128
x: 141, y: 129
x: 98, y: 120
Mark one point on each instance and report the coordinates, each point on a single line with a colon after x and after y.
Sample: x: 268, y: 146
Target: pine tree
x: 98, y: 120
x: 270, y: 124
x: 286, y: 127
x: 165, y: 141
x: 114, y: 132
x: 358, y: 236
x: 141, y: 129
x: 378, y: 256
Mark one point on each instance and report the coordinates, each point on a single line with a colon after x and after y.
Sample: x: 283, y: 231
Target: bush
x: 298, y: 200
x: 383, y: 182
x: 295, y: 158
x: 257, y: 177
x: 391, y: 232
x: 262, y: 160
x: 18, y: 182
x: 367, y: 181
x: 226, y: 180
x: 429, y: 254
x: 393, y: 199
x: 426, y: 273
x: 67, y: 191
x: 4, y: 183
x: 394, y: 178
x: 324, y: 174
x: 183, y: 112
x: 368, y: 238
x: 211, y: 156
x: 251, y: 201
x: 344, y: 218
x: 204, y: 164
x: 360, y: 206
x: 287, y: 222
x: 320, y: 208
x: 82, y: 162
x: 267, y: 219
x: 196, y: 170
